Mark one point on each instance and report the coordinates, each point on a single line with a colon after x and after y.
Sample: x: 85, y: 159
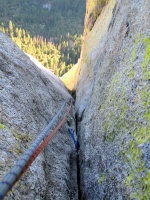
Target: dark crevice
x: 127, y: 29
x: 78, y: 177
x: 78, y: 160
x: 80, y: 118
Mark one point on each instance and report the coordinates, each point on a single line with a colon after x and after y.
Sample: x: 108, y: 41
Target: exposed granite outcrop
x: 29, y: 98
x: 71, y: 77
x: 113, y: 103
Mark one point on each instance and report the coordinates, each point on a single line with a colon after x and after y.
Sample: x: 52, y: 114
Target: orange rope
x: 45, y: 142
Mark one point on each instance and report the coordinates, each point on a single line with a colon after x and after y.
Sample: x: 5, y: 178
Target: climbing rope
x: 73, y: 138
x: 45, y: 142
x: 29, y: 156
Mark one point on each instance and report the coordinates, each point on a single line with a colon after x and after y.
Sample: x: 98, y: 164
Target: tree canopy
x: 58, y: 55
x: 49, y: 18
x: 49, y: 30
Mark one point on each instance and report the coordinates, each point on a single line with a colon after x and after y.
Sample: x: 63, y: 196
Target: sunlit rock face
x: 70, y: 78
x: 29, y: 98
x: 113, y: 102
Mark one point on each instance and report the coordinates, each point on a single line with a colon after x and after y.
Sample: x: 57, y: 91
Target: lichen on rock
x: 113, y: 105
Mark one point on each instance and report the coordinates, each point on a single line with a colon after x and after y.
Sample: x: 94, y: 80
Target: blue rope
x: 10, y: 178
x: 73, y: 138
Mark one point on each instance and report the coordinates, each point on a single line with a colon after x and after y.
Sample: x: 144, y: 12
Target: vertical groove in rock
x: 78, y: 163
x: 113, y: 102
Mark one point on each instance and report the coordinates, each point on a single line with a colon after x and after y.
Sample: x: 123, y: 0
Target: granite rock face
x: 113, y: 102
x: 29, y: 98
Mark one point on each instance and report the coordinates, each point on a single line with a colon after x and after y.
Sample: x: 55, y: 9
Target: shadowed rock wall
x: 29, y: 98
x: 113, y: 103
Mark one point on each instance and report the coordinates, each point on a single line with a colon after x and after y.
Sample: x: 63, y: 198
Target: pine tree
x: 10, y: 29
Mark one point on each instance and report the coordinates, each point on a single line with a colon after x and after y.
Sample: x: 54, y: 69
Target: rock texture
x: 113, y: 102
x: 29, y: 98
x: 70, y: 78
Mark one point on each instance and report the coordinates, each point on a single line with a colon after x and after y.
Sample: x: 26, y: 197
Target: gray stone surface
x: 29, y: 98
x: 113, y: 104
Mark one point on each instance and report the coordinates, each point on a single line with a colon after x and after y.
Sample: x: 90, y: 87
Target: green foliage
x: 146, y: 57
x: 139, y: 178
x: 47, y: 18
x: 146, y: 75
x: 133, y: 57
x: 58, y: 56
x: 101, y: 179
x: 17, y: 149
x: 22, y: 137
x: 2, y: 126
x: 48, y: 30
x: 131, y: 75
x: 117, y: 122
x: 147, y: 52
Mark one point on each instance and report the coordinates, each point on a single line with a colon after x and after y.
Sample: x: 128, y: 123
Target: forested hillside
x: 58, y: 56
x: 49, y: 18
x: 49, y: 30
